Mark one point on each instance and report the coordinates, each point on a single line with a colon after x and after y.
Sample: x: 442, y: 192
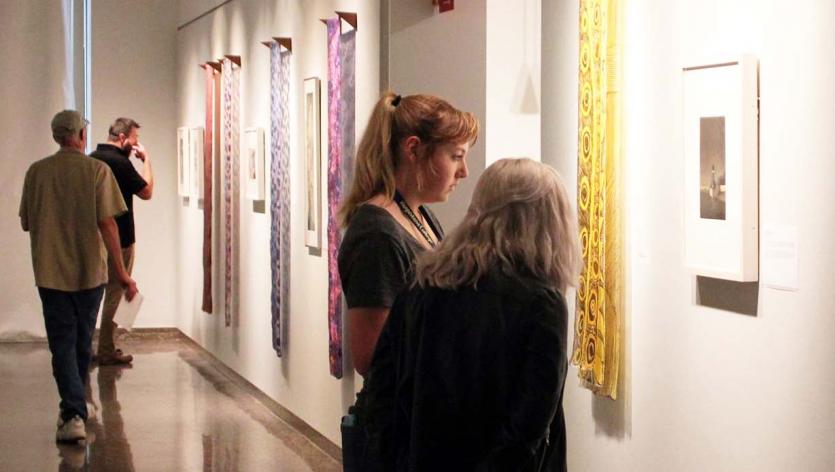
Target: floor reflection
x: 111, y: 447
x: 174, y: 410
x: 106, y: 447
x: 224, y: 457
x: 73, y: 457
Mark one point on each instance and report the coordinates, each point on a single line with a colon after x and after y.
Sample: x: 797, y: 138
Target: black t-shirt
x: 130, y: 183
x: 376, y: 257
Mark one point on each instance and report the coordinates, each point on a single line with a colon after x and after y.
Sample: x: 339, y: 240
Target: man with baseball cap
x: 68, y: 207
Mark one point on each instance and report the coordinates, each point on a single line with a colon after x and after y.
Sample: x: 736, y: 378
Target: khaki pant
x: 113, y: 294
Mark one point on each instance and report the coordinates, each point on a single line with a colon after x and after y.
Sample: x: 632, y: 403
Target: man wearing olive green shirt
x: 68, y: 207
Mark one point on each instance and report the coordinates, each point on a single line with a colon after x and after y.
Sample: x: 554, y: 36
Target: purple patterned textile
x: 231, y: 188
x: 347, y: 106
x: 334, y: 197
x: 279, y: 189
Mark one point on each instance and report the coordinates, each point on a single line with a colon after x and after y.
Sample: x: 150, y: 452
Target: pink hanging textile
x: 231, y: 187
x: 341, y: 97
x: 207, y: 189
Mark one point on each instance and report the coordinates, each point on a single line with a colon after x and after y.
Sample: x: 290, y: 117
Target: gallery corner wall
x: 443, y: 54
x: 483, y: 56
x: 300, y: 380
x: 706, y: 387
x: 133, y: 75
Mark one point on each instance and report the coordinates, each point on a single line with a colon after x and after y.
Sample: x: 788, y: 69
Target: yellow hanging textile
x: 600, y: 300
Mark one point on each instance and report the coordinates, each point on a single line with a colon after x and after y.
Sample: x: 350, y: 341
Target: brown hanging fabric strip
x: 207, y: 189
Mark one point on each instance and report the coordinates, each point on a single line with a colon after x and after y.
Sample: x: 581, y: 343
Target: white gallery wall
x: 134, y: 75
x: 33, y: 89
x: 483, y: 57
x: 707, y: 388
x: 443, y: 54
x: 300, y: 380
x: 512, y: 71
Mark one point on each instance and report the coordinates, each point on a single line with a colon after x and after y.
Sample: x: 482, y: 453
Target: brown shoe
x: 117, y: 358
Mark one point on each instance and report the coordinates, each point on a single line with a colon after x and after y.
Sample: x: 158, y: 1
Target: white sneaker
x: 71, y: 430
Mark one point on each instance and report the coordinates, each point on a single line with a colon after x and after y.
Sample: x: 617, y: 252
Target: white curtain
x: 69, y: 28
x: 38, y: 79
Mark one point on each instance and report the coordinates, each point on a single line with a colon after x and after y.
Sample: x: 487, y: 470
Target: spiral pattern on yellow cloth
x: 599, y: 296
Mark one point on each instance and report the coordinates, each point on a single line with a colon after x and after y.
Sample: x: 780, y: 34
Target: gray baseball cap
x: 68, y: 123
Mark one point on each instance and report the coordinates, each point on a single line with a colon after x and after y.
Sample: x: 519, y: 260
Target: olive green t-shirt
x: 65, y: 196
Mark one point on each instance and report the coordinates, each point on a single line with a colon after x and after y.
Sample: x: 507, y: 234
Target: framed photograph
x: 196, y: 152
x: 721, y: 209
x: 313, y: 163
x: 254, y: 163
x: 183, y: 163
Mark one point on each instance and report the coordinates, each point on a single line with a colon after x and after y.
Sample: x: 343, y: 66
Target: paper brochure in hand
x: 127, y: 310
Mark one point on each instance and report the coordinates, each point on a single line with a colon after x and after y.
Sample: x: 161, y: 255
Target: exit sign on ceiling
x: 446, y: 5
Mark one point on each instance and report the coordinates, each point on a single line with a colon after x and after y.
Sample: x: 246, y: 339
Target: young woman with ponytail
x: 412, y: 153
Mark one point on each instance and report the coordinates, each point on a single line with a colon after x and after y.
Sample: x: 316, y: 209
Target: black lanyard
x: 408, y: 213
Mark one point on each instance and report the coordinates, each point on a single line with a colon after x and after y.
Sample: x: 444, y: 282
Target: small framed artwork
x: 196, y: 153
x: 721, y: 209
x: 313, y: 163
x: 254, y: 163
x: 183, y: 162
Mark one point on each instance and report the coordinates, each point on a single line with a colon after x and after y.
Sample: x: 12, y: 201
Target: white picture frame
x: 183, y: 162
x: 721, y: 187
x: 196, y: 157
x: 313, y: 162
x: 254, y: 163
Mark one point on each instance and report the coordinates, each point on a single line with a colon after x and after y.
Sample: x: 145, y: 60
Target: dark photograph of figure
x: 712, y: 174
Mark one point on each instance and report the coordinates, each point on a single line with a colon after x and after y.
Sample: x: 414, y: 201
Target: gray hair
x: 520, y: 220
x: 121, y: 125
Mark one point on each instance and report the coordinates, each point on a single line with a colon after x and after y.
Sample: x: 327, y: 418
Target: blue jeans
x: 70, y: 319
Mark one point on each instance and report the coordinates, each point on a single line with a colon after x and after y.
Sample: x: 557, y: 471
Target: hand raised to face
x: 139, y: 149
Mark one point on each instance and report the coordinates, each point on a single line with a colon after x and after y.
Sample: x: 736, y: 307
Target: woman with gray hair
x: 469, y: 370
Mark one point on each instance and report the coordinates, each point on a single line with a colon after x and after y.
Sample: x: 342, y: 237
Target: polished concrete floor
x: 174, y: 410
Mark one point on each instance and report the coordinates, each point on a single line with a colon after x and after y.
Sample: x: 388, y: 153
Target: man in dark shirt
x: 122, y: 140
